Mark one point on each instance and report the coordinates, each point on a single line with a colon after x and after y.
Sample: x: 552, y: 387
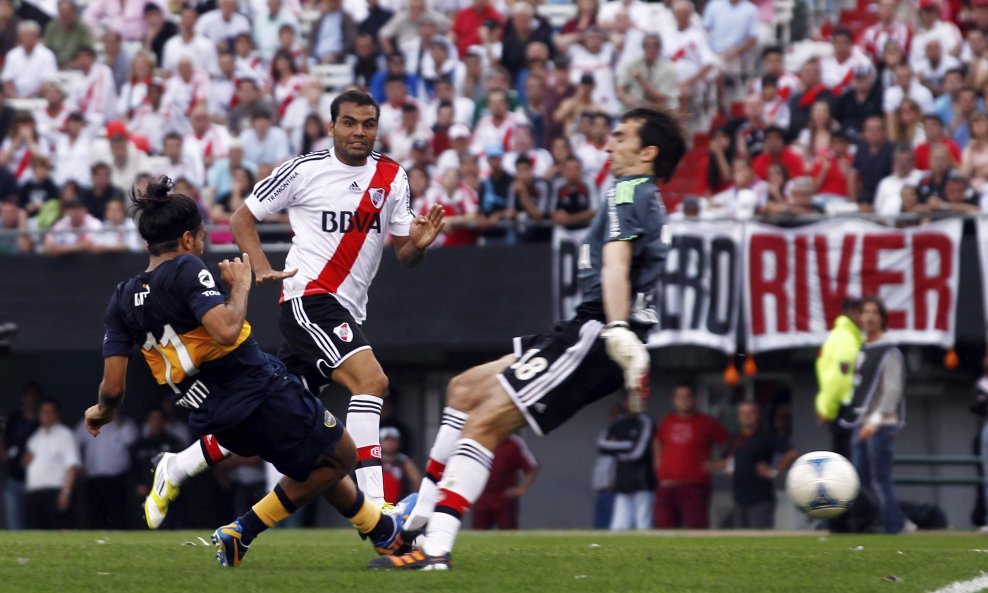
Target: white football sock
x: 461, y: 486
x: 449, y: 433
x: 363, y: 422
x: 194, y: 459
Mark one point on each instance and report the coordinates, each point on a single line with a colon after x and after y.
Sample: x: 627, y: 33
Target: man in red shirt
x: 777, y: 151
x: 469, y: 22
x: 830, y: 171
x: 682, y: 450
x: 933, y: 127
x: 498, y: 505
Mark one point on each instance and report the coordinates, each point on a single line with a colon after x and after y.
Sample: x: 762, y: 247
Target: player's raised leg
x: 171, y: 470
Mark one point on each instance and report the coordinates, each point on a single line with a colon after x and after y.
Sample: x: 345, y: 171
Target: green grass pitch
x: 333, y: 561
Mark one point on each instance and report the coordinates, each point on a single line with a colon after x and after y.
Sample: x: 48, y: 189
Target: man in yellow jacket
x: 835, y: 373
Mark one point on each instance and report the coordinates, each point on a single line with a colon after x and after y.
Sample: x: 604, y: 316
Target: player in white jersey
x: 341, y: 203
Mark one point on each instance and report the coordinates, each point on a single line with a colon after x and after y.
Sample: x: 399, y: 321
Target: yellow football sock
x: 270, y: 509
x: 366, y: 518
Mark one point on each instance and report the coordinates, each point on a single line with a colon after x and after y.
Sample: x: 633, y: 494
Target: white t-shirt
x: 601, y: 66
x: 837, y: 75
x: 73, y: 160
x: 55, y: 452
x: 28, y: 72
x: 893, y: 96
x: 329, y: 204
x: 946, y: 33
x: 200, y: 50
x: 888, y: 196
x: 540, y: 157
x: 64, y: 234
x: 689, y: 50
x: 212, y: 26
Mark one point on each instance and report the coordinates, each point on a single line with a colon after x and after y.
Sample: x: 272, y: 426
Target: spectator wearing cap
x: 593, y: 57
x: 523, y: 29
x: 222, y: 24
x: 265, y: 143
x: 458, y: 201
x: 837, y: 71
x: 29, y: 64
x: 875, y: 37
x: 649, y: 79
x: 399, y: 141
x: 888, y: 196
x: 830, y: 169
x: 523, y: 144
x: 333, y: 33
x: 934, y: 66
x: 930, y: 26
x: 420, y: 157
x: 798, y: 201
x: 933, y: 130
x: 872, y: 163
x: 733, y: 30
x: 934, y: 182
x: 863, y: 99
x: 180, y: 163
x: 403, y: 26
x: 66, y: 33
x: 476, y: 25
x: 812, y: 90
x: 159, y: 31
x: 573, y: 200
x: 73, y: 153
x: 776, y: 151
x: 189, y: 43
x: 974, y: 162
x: 495, y: 209
x: 77, y: 231
x: 94, y: 94
x: 498, y: 125
x: 102, y: 191
x: 460, y: 140
x: 401, y: 475
x: 268, y: 24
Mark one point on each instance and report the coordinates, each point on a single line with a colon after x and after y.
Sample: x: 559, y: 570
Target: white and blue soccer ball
x: 822, y: 484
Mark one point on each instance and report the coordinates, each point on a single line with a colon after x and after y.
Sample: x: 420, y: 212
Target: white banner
x: 795, y: 280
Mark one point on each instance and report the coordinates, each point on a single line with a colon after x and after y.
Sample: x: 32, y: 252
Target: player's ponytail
x: 163, y: 217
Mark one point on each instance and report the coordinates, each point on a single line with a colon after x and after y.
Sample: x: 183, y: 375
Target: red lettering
x: 802, y: 285
x: 773, y: 246
x: 873, y: 278
x: 833, y: 295
x: 924, y: 283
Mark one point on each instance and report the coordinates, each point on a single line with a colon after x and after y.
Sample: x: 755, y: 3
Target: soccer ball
x: 822, y: 484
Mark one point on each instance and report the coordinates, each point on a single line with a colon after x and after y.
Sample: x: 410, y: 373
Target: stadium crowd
x: 496, y: 114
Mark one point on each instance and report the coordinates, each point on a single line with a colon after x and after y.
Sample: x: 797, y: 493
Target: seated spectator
x: 905, y: 124
x: 872, y: 163
x: 12, y: 218
x: 812, y: 91
x: 798, y: 202
x: 531, y: 197
x: 220, y: 177
x: 227, y: 203
x: 29, y: 64
x: 189, y: 44
x: 185, y: 91
x: 368, y: 61
x: 560, y: 150
x: 159, y: 31
x: 934, y: 132
x: 837, y: 71
x: 150, y: 121
x: 102, y: 191
x: 830, y: 170
x: 463, y: 108
x: 943, y: 106
x: 94, y: 93
x: 776, y: 109
x: 312, y: 102
x: 420, y: 157
x: 395, y: 66
x: 73, y: 153
x: 958, y: 198
x: 746, y: 196
x: 125, y: 159
x: 181, y: 163
x: 21, y: 146
x: 403, y: 26
x: 333, y: 33
x: 400, y: 140
x: 476, y: 25
x: 314, y: 135
x: 751, y: 133
x: 773, y: 63
x: 495, y: 209
x: 460, y: 140
x: 223, y: 23
x: 77, y: 231
x: 910, y: 204
x: 52, y: 465
x: 906, y: 86
x: 930, y: 26
x: 974, y: 163
x: 716, y: 164
x: 968, y: 103
x: 419, y: 181
x: 135, y: 89
x: 440, y: 128
x: 66, y: 33
x: 119, y: 232
x: 573, y: 29
x: 776, y: 184
x: 376, y: 18
x: 932, y: 69
x: 39, y: 194
x: 50, y: 119
x: 397, y: 98
x: 592, y: 151
x: 417, y: 51
x: 933, y: 184
x: 207, y: 140
x: 523, y: 29
x: 888, y: 196
x: 440, y: 65
x: 116, y: 57
x: 523, y: 144
x: 814, y: 140
x: 863, y: 99
x: 776, y: 151
x: 892, y: 57
x: 265, y: 143
x: 888, y: 28
x: 592, y: 57
x: 498, y: 125
x: 568, y: 113
x: 974, y: 56
x: 246, y: 61
x: 459, y: 202
x: 573, y: 200
x: 286, y: 81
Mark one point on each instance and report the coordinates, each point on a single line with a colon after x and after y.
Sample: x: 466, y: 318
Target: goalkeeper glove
x: 628, y: 352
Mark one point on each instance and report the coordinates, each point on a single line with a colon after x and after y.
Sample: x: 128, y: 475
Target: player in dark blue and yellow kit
x: 194, y: 337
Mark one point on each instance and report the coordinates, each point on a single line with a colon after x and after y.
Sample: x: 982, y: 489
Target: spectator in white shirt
x: 523, y: 143
x: 933, y: 68
x: 223, y: 23
x: 29, y: 64
x: 206, y: 139
x: 497, y: 126
x: 412, y: 128
x: 595, y: 56
x: 265, y: 143
x: 119, y: 231
x: 268, y: 24
x: 931, y: 27
x: 125, y: 159
x: 183, y: 93
x: 76, y: 232
x: 52, y: 462
x: 888, y: 196
x: 181, y: 164
x: 94, y: 93
x: 51, y: 118
x: 73, y: 153
x: 837, y: 71
x: 107, y: 463
x: 688, y: 48
x: 190, y: 44
x: 906, y: 86
x: 460, y: 142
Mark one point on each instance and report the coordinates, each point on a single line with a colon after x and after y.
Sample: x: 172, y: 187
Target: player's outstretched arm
x: 111, y: 394
x: 244, y: 227
x: 623, y: 346
x: 225, y: 322
x: 423, y: 232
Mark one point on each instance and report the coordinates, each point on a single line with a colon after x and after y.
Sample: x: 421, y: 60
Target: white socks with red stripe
x: 449, y: 433
x: 363, y: 422
x: 195, y: 459
x: 461, y: 486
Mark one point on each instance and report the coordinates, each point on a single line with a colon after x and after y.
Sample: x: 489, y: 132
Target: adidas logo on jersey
x: 354, y: 187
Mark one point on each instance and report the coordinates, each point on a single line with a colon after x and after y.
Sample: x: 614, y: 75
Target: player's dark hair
x: 661, y: 129
x: 163, y: 217
x: 358, y: 98
x: 883, y: 311
x: 851, y: 304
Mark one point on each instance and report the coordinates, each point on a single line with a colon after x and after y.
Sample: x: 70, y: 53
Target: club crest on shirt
x: 376, y: 196
x: 343, y: 332
x: 329, y: 421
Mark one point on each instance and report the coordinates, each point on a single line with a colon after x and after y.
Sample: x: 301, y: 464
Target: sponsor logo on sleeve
x: 206, y: 279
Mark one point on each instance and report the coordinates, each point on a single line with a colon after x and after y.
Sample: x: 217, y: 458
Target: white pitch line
x: 970, y: 586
